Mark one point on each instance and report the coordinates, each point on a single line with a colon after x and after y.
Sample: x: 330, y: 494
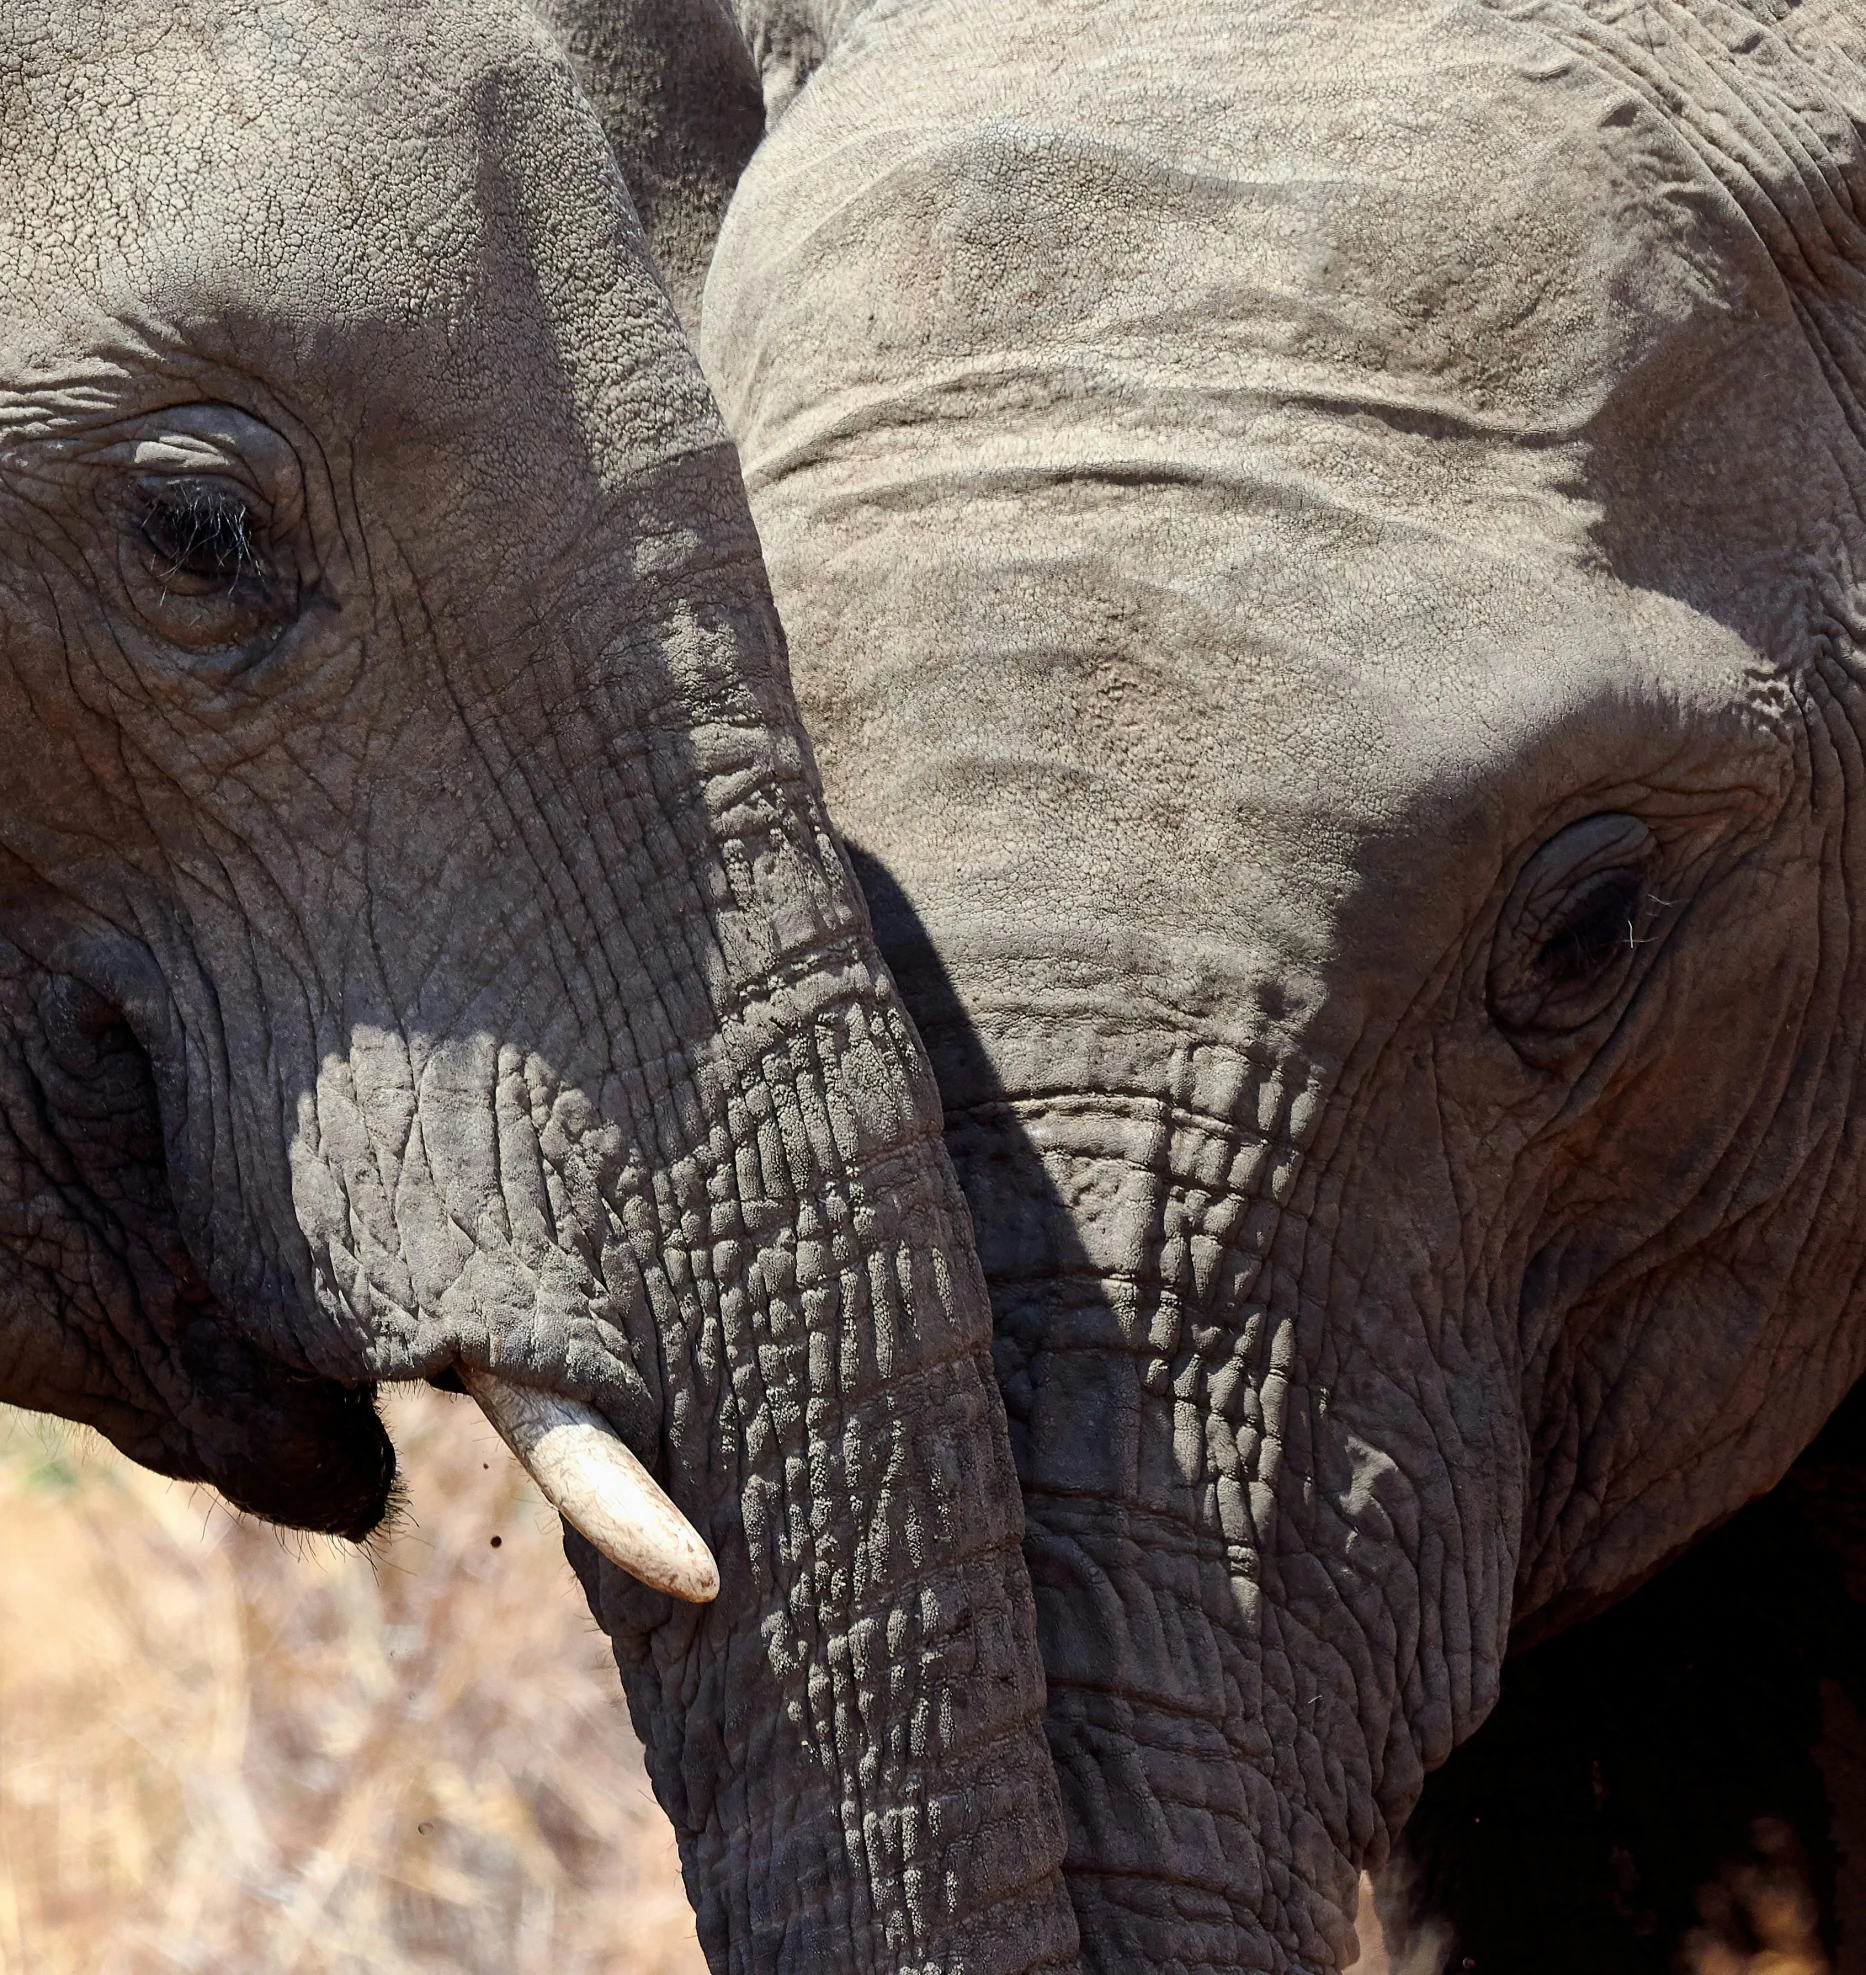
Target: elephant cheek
x: 437, y: 1223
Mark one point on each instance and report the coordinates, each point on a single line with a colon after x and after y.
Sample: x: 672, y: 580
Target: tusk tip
x: 591, y: 1476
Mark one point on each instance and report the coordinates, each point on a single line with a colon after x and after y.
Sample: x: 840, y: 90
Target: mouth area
x: 106, y: 1318
x: 78, y: 1091
x: 283, y: 1444
x: 193, y: 1387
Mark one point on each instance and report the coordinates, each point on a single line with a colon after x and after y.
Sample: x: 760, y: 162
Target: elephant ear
x: 681, y: 106
x: 105, y: 1318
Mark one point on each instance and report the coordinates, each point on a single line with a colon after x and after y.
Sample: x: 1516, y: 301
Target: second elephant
x: 1321, y: 552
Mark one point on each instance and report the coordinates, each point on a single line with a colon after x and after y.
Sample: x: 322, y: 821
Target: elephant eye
x: 1572, y: 933
x: 1602, y: 921
x: 198, y: 568
x: 202, y: 536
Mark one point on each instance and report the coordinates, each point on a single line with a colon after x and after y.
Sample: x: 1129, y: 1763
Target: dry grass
x: 221, y: 1750
x: 1764, y: 1899
x: 1757, y: 1918
x: 1422, y: 1948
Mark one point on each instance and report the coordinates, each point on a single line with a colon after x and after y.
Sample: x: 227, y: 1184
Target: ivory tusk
x: 587, y: 1473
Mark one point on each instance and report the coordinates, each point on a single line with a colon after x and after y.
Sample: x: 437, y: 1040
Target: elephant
x: 425, y: 955
x: 1350, y: 767
x: 1319, y: 543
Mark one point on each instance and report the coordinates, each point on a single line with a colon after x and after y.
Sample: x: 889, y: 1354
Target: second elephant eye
x: 1600, y: 926
x: 1571, y: 931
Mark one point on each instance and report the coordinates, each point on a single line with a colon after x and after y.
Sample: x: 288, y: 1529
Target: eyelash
x: 205, y: 533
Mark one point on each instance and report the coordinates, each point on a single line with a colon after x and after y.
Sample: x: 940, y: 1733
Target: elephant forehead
x: 402, y: 210
x: 1232, y: 439
x: 249, y: 143
x: 1439, y: 213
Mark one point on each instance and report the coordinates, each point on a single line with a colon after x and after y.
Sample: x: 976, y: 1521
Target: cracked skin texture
x: 1320, y: 545
x: 422, y: 943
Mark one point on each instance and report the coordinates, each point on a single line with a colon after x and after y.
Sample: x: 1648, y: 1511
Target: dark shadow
x: 990, y: 1150
x: 919, y: 972
x: 1700, y: 1735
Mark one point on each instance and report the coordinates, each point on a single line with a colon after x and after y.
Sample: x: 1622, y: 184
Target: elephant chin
x: 282, y: 1444
x: 186, y: 1392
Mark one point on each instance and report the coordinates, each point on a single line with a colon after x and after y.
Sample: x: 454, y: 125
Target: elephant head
x: 1322, y: 550
x: 423, y: 953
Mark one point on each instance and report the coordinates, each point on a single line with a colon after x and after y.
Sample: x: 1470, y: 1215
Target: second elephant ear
x: 680, y: 104
x: 105, y: 1318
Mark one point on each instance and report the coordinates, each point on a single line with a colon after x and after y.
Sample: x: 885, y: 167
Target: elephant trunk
x: 848, y: 1738
x: 714, y: 1211
x: 1269, y: 1519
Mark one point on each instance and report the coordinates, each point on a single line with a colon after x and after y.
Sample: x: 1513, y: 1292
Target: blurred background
x: 224, y: 1748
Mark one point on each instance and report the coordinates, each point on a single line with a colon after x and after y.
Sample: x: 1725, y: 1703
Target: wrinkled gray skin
x: 422, y: 945
x: 1321, y: 547
x: 680, y: 99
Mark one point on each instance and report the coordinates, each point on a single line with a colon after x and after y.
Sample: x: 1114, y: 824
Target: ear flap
x: 104, y: 1317
x: 679, y: 100
x: 1685, y: 1771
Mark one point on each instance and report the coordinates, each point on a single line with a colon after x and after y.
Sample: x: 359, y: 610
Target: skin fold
x: 1320, y: 549
x: 423, y: 947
